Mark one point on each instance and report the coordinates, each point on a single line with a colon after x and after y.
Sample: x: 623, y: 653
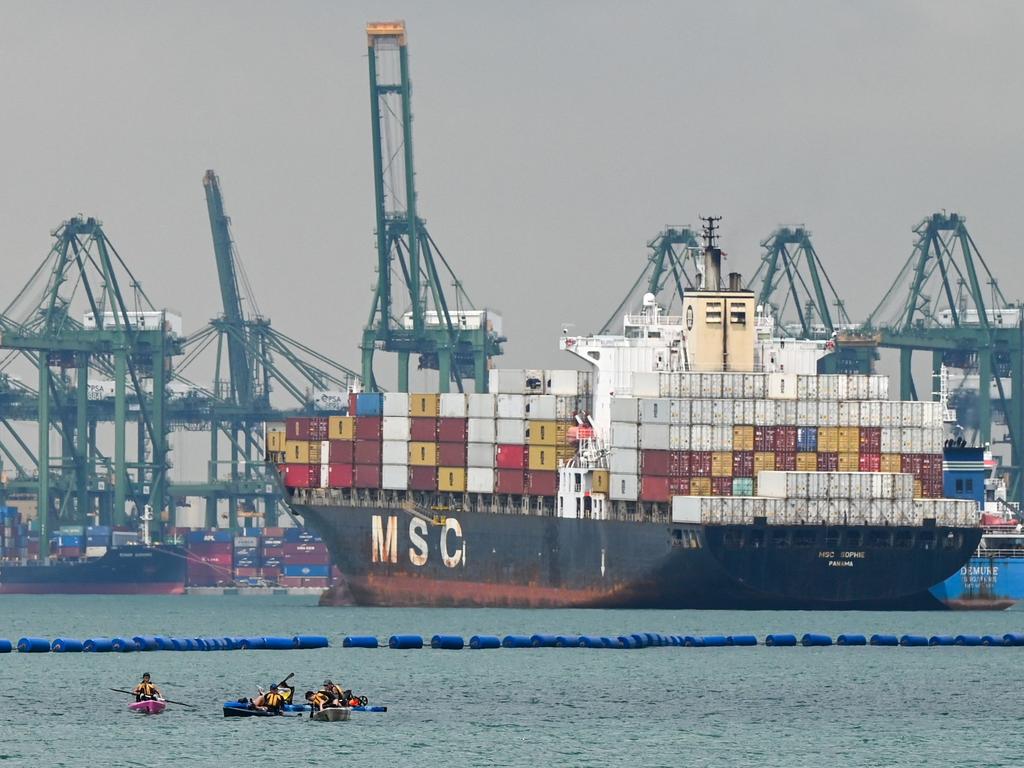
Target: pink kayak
x: 151, y: 707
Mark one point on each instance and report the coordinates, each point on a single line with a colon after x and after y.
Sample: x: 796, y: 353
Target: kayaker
x: 146, y: 691
x: 333, y: 691
x: 271, y: 701
x: 317, y: 700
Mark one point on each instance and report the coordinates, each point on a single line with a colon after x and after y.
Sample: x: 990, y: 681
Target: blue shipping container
x: 306, y: 571
x: 369, y: 404
x: 272, y: 562
x: 216, y: 535
x: 807, y: 439
x: 274, y: 542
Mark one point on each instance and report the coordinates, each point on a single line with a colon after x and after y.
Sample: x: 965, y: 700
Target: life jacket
x: 287, y: 695
x: 273, y: 700
x: 319, y: 699
x: 146, y: 689
x: 354, y: 702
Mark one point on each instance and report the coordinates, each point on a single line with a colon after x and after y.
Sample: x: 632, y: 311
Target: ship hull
x: 391, y: 558
x: 984, y: 584
x: 121, y: 571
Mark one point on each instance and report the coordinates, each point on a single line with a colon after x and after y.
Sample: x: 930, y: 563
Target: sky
x: 552, y: 141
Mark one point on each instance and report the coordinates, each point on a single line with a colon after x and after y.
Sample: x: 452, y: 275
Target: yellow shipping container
x: 849, y: 441
x: 542, y: 432
x: 764, y: 461
x: 806, y: 462
x: 700, y: 486
x: 721, y: 464
x: 743, y: 438
x: 849, y: 462
x: 562, y: 431
x: 543, y: 457
x: 600, y: 478
x: 451, y: 479
x: 341, y: 427
x: 565, y: 452
x: 423, y: 454
x: 890, y: 462
x: 918, y: 489
x: 302, y: 452
x: 424, y: 405
x: 828, y: 439
x: 275, y: 440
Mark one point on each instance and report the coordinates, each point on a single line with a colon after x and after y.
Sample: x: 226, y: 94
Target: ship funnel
x: 712, y: 269
x: 735, y: 281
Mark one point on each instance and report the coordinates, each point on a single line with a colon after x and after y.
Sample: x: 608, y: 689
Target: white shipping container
x: 567, y: 382
x: 511, y: 406
x: 655, y: 410
x: 761, y: 408
x: 743, y: 412
x: 755, y: 386
x: 686, y: 509
x: 394, y: 477
x: 700, y: 437
x: 510, y: 431
x: 395, y: 404
x: 654, y: 437
x: 395, y: 428
x: 828, y: 413
x: 772, y: 484
x: 890, y: 440
x: 482, y: 406
x: 507, y: 381
x: 623, y: 487
x: 782, y: 386
x: 679, y: 411
x: 395, y: 452
x: 481, y: 431
x: 849, y: 414
x: 721, y: 437
x: 646, y: 384
x: 785, y: 412
x: 625, y: 409
x: 933, y: 440
x: 624, y: 435
x: 480, y: 455
x: 453, y: 405
x: 679, y: 437
x: 624, y: 461
x: 541, y: 407
x: 567, y: 407
x: 479, y: 480
x: 807, y: 387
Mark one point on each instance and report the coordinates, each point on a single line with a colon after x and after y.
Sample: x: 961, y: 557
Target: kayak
x: 330, y: 715
x: 245, y: 709
x: 307, y: 708
x: 369, y: 708
x: 150, y: 707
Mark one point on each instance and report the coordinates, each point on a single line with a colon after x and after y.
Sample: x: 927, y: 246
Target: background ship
x: 128, y: 570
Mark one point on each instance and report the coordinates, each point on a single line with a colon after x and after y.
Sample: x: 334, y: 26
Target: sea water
x: 849, y: 706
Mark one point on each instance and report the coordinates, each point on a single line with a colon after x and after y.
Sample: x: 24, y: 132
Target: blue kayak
x: 246, y: 709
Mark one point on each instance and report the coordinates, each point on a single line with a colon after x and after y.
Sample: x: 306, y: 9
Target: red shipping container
x: 870, y: 462
x: 931, y: 466
x: 910, y: 463
x: 931, y: 488
x: 340, y: 476
x: 369, y: 427
x: 301, y: 475
x: 870, y: 439
x: 204, y: 549
x: 342, y: 452
x: 721, y: 486
x: 352, y: 398
x: 272, y: 551
x: 423, y: 429
x: 368, y: 452
x: 785, y: 461
x: 679, y: 464
x: 700, y: 464
x: 763, y: 439
x: 451, y: 454
x: 273, y: 532
x: 270, y: 571
x: 247, y: 573
x: 511, y: 457
x: 782, y: 438
x: 299, y: 549
x: 743, y: 463
x: 679, y: 486
x: 318, y: 428
x: 654, y: 488
x: 452, y: 430
x: 541, y: 482
x: 510, y: 481
x: 828, y: 462
x: 656, y: 464
x: 366, y: 476
x: 422, y: 478
x: 297, y: 428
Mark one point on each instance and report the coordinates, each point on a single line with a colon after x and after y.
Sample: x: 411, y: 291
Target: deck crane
x: 447, y: 333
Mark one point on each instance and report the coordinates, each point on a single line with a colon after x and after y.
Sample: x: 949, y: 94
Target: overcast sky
x: 553, y: 140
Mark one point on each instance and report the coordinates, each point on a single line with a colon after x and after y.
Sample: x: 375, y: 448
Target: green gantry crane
x: 450, y: 337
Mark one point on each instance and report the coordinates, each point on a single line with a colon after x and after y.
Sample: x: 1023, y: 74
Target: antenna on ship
x: 712, y: 253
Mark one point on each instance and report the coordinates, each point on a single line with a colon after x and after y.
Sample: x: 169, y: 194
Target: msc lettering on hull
x: 449, y: 541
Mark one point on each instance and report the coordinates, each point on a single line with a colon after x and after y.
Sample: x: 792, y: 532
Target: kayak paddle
x: 168, y: 701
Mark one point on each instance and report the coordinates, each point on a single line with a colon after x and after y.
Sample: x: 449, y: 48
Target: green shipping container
x: 743, y: 486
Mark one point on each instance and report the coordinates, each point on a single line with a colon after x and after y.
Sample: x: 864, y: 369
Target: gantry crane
x: 445, y: 331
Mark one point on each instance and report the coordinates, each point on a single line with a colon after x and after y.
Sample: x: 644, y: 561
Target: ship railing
x: 1003, y: 530
x: 989, y: 552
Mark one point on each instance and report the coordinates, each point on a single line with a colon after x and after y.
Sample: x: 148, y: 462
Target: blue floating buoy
x: 628, y: 642
x: 359, y: 641
x: 714, y: 641
x: 252, y: 643
x: 993, y: 640
x: 66, y: 645
x: 484, y: 642
x: 447, y: 642
x: 743, y: 640
x: 164, y: 643
x: 543, y: 641
x: 309, y: 642
x: 143, y: 643
x: 780, y: 640
x: 611, y: 642
x: 278, y: 643
x: 516, y: 641
x: 567, y: 641
x: 197, y: 644
x: 6, y: 646
x: 587, y: 641
x: 98, y: 645
x: 913, y: 641
x: 33, y: 645
x: 886, y: 640
x: 403, y: 642
x: 1013, y: 638
x: 122, y: 645
x: 693, y: 642
x: 942, y: 640
x: 653, y: 639
x: 848, y: 639
x: 640, y: 640
x: 213, y: 643
x: 814, y: 639
x: 236, y: 643
x: 969, y: 640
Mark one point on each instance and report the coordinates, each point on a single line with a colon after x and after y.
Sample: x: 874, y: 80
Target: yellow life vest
x: 273, y: 700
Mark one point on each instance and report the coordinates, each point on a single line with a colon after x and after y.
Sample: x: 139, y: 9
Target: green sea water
x: 560, y: 707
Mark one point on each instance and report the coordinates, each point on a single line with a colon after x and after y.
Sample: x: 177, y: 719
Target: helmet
x: 145, y: 675
x: 328, y: 682
x: 309, y: 694
x: 273, y: 687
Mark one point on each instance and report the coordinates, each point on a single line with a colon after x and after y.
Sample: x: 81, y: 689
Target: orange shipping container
x: 828, y: 440
x: 423, y: 454
x: 849, y: 462
x: 764, y: 461
x: 341, y: 427
x: 890, y: 462
x: 542, y: 457
x: 721, y: 464
x: 452, y: 479
x: 700, y: 486
x: 600, y: 478
x: 302, y: 452
x: 806, y: 462
x: 743, y: 438
x: 849, y: 440
x: 275, y: 440
x: 541, y: 432
x: 424, y: 405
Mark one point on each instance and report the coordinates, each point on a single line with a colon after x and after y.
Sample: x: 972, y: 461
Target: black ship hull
x: 121, y: 571
x: 392, y: 558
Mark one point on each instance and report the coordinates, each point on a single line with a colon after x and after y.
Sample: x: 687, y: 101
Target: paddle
x: 167, y: 701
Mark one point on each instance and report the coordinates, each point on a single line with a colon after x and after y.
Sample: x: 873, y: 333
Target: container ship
x: 700, y: 462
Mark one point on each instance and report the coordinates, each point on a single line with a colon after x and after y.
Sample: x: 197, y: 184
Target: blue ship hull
x: 984, y: 583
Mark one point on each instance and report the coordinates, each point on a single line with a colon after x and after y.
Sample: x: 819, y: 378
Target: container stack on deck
x: 711, y: 434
